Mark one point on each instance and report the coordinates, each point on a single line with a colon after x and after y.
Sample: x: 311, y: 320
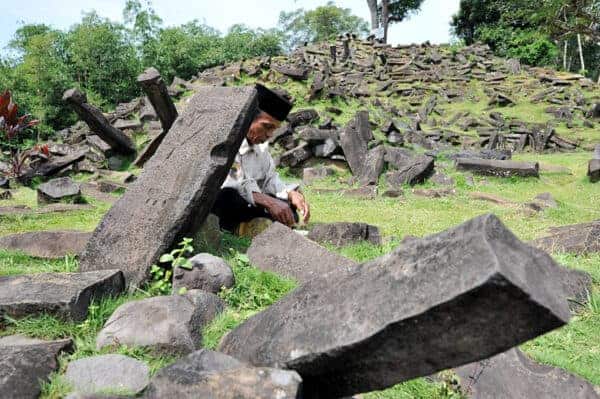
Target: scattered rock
x: 343, y: 233
x: 411, y: 171
x: 578, y: 239
x: 193, y: 161
x: 513, y: 375
x: 393, y: 194
x: 282, y: 251
x: 209, y: 273
x: 26, y: 362
x: 114, y: 373
x: 309, y: 175
x: 208, y: 374
x: 4, y: 182
x: 498, y: 168
x: 491, y: 198
x: 46, y: 244
x: 302, y: 117
x: 373, y: 166
x: 434, y: 193
x: 67, y: 295
x: 5, y: 195
x: 167, y: 324
x: 465, y: 294
x: 57, y: 190
x: 441, y: 179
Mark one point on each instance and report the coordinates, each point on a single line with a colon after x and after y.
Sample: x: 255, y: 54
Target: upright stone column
x: 346, y: 54
x: 94, y: 118
x: 155, y: 88
x: 157, y: 92
x: 176, y: 191
x: 333, y: 53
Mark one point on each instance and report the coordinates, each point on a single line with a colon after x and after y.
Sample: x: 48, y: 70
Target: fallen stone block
x: 98, y: 123
x: 209, y: 273
x: 578, y: 239
x: 302, y: 117
x: 66, y: 295
x: 25, y: 363
x: 57, y: 190
x: 296, y: 156
x: 54, y: 166
x: 208, y: 374
x: 166, y: 324
x: 112, y: 373
x: 374, y: 163
x: 309, y: 175
x: 343, y: 233
x: 513, y: 375
x: 499, y: 168
x: 282, y: 251
x: 99, y: 145
x: 46, y: 244
x: 294, y: 72
x: 434, y: 192
x: 191, y: 164
x: 411, y: 171
x: 463, y: 295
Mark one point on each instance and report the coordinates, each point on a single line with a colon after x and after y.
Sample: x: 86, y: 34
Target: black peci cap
x: 272, y: 103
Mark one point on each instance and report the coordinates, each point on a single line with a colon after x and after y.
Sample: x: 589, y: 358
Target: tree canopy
x: 321, y: 24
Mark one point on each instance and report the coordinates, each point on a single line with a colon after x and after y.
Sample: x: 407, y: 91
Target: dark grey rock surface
x: 499, y: 168
x: 345, y: 233
x: 282, y: 251
x: 67, y: 295
x: 213, y: 375
x: 25, y: 363
x: 513, y: 375
x: 168, y: 324
x: 46, y: 244
x: 108, y: 373
x: 209, y: 273
x: 176, y: 191
x: 456, y: 297
x: 578, y: 239
x: 411, y: 171
x: 56, y: 190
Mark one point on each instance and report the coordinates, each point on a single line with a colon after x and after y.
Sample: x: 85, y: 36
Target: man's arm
x: 278, y: 209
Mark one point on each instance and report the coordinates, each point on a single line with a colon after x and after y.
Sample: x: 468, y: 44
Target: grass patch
x: 14, y: 263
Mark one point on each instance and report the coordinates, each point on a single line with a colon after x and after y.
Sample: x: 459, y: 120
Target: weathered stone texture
x: 178, y: 186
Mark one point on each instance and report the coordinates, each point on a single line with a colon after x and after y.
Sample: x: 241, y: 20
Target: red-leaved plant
x: 11, y: 125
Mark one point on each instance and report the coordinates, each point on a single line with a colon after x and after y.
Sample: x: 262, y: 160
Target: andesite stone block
x: 178, y: 186
x: 455, y: 297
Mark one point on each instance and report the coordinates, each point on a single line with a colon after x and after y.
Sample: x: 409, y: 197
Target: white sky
x: 432, y: 23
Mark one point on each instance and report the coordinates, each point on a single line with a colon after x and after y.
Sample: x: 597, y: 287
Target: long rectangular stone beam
x: 450, y: 299
x: 178, y: 186
x: 98, y: 123
x: 500, y: 168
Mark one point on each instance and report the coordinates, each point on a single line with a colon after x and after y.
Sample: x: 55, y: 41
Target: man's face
x: 262, y: 128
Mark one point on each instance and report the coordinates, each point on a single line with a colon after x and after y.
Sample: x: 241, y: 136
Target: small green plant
x: 161, y: 283
x: 177, y: 256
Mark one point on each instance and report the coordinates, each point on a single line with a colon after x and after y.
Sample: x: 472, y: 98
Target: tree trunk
x: 565, y: 55
x: 385, y: 14
x: 373, y: 10
x: 580, y: 52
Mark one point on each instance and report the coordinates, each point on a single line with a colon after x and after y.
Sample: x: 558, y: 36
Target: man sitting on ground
x: 253, y: 194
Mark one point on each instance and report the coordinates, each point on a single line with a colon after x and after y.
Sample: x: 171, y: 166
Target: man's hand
x: 297, y: 199
x: 280, y: 211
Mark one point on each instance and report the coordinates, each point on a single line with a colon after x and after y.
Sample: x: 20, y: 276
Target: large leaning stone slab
x: 578, y: 239
x: 512, y: 375
x: 494, y: 167
x: 176, y: 191
x: 98, y: 123
x: 354, y: 145
x: 46, y: 244
x: 213, y: 375
x: 168, y: 324
x: 25, y: 363
x: 67, y: 295
x: 108, y: 373
x: 453, y: 298
x: 282, y: 251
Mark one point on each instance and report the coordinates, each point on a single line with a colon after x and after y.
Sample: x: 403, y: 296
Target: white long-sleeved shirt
x: 253, y: 171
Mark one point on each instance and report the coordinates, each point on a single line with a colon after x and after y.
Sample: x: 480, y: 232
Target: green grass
x: 15, y: 263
